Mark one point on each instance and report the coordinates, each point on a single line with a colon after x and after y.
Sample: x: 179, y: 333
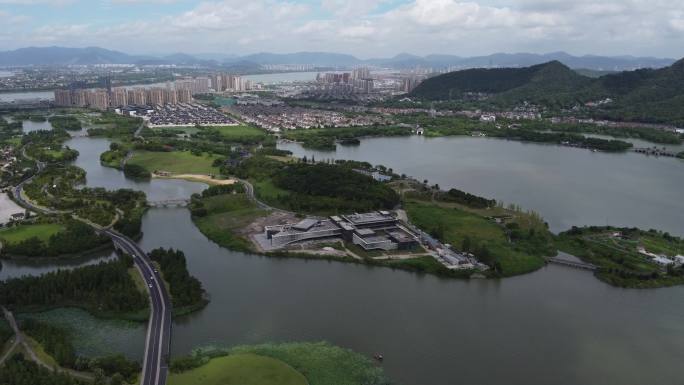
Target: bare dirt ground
x: 7, y: 208
x: 196, y: 178
x: 273, y: 219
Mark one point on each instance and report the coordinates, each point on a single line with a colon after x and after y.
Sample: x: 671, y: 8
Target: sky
x: 365, y: 28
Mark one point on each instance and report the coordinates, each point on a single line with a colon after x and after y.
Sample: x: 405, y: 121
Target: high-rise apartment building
x: 363, y: 85
x: 137, y: 96
x: 79, y: 98
x: 98, y: 99
x: 360, y: 73
x: 118, y: 97
x: 170, y: 96
x: 63, y: 98
x: 184, y: 95
x: 155, y: 96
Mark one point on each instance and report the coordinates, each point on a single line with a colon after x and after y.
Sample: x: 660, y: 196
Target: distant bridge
x: 575, y: 264
x: 169, y: 203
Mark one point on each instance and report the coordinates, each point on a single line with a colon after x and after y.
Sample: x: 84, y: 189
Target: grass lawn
x: 240, y: 369
x: 177, y: 162
x: 180, y: 129
x: 452, y: 225
x: 22, y: 232
x: 228, y: 214
x: 321, y: 363
x: 266, y: 191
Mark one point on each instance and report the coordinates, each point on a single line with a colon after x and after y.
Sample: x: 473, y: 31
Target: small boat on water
x: 378, y: 357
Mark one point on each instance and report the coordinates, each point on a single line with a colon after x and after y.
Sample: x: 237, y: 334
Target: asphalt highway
x: 157, y: 344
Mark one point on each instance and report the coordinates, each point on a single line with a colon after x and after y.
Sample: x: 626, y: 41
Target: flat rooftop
x: 322, y: 225
x: 365, y: 232
x: 305, y: 224
x: 366, y: 218
x: 401, y: 236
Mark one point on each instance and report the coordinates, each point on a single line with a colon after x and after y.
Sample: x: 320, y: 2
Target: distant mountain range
x: 94, y: 55
x: 655, y: 95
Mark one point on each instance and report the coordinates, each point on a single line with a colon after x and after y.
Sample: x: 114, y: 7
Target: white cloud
x: 464, y: 27
x: 36, y: 2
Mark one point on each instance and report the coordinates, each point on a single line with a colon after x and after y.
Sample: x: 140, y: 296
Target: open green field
x: 266, y: 191
x: 177, y: 162
x: 22, y: 232
x: 488, y: 240
x: 228, y: 214
x: 189, y: 130
x: 322, y: 363
x: 240, y: 369
x: 453, y: 224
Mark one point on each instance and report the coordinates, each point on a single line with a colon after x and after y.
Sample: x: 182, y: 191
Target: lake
x: 555, y: 326
x: 568, y: 186
x: 283, y: 77
x: 24, y: 96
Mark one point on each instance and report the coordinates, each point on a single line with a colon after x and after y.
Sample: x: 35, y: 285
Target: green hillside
x: 646, y: 95
x: 509, y: 84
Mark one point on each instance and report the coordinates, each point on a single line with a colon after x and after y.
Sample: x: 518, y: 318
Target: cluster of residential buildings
x: 7, y: 157
x: 221, y: 82
x: 288, y: 67
x: 276, y: 118
x: 358, y: 81
x: 179, y: 91
x: 102, y: 99
x: 187, y: 114
x: 608, y: 123
x: 379, y: 230
x: 409, y: 83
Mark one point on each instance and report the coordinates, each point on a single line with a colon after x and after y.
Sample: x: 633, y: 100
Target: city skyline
x: 362, y: 28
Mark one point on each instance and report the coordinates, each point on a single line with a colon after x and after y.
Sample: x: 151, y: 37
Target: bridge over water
x: 169, y: 203
x: 570, y: 263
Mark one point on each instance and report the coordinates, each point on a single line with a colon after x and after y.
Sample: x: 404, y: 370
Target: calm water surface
x: 284, y: 77
x: 24, y: 96
x: 568, y: 186
x: 555, y: 326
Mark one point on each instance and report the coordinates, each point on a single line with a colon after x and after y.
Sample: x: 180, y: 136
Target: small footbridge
x: 574, y: 264
x: 169, y: 203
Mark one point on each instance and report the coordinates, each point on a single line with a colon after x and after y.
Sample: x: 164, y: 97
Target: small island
x: 628, y: 257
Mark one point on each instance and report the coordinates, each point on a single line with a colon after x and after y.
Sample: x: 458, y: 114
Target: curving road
x: 157, y: 343
x: 155, y: 362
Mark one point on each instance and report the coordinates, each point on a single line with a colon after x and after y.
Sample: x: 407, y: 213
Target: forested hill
x: 645, y: 95
x: 454, y: 85
x: 650, y: 95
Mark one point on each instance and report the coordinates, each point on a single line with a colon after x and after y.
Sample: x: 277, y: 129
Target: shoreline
x: 199, y: 178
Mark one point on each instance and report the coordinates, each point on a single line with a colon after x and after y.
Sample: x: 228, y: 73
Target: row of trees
x: 17, y: 370
x: 340, y: 189
x: 462, y: 197
x: 106, y: 287
x: 56, y: 341
x: 69, y: 123
x: 609, y: 145
x: 75, y: 238
x: 186, y: 290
